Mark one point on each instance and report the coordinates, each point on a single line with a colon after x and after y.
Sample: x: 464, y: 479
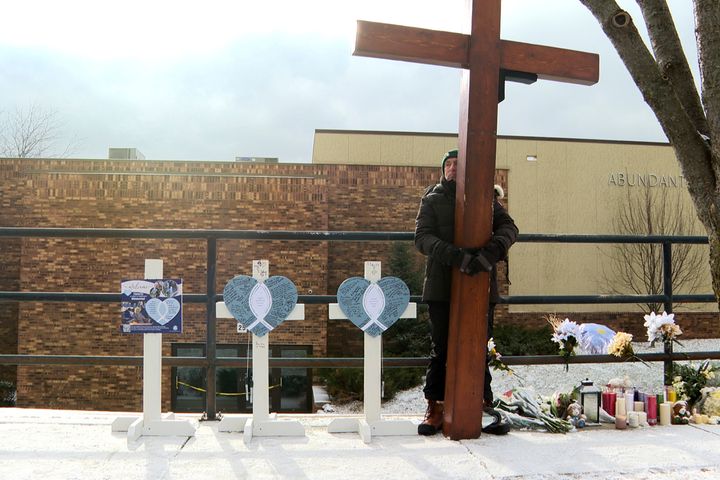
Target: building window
x: 290, y: 388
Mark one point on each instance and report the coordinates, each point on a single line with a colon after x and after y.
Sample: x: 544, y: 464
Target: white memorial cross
x: 152, y: 423
x: 261, y: 424
x: 372, y: 424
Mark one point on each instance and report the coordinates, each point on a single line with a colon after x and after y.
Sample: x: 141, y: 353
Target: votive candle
x: 671, y: 395
x: 620, y: 421
x: 620, y: 410
x: 665, y: 413
x: 638, y: 406
x: 632, y: 419
x: 642, y: 419
x: 609, y: 399
x: 652, y: 409
x: 629, y: 401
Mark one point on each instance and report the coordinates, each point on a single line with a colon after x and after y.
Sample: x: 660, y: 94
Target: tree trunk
x: 715, y: 264
x: 669, y: 89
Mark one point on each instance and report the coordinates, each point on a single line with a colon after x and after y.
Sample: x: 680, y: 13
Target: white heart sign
x: 162, y: 311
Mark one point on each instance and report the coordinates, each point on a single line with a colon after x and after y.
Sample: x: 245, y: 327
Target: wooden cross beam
x: 484, y: 58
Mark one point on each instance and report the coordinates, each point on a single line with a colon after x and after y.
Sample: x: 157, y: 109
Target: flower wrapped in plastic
x: 709, y: 403
x: 524, y: 409
x: 495, y: 359
x: 565, y: 334
x: 689, y: 381
x: 595, y: 338
x: 621, y: 346
x: 662, y: 327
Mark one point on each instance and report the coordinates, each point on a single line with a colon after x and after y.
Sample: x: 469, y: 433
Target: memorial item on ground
x: 662, y: 328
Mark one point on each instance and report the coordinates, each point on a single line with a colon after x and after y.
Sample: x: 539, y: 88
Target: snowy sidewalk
x: 56, y: 444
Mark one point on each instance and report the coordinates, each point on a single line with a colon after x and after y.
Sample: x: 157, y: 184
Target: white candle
x: 633, y: 419
x: 639, y: 406
x: 629, y: 401
x: 665, y: 413
x: 642, y: 419
x: 620, y: 407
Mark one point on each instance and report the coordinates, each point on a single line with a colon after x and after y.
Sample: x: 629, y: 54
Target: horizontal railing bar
x: 322, y: 235
x: 602, y: 299
x: 337, y: 362
x: 76, y: 297
x: 648, y: 357
x: 591, y: 238
x: 204, y: 234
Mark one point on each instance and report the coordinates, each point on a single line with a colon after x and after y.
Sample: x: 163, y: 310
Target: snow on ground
x: 79, y: 445
x: 548, y: 379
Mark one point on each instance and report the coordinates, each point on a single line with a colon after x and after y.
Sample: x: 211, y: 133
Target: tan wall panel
x: 373, y: 148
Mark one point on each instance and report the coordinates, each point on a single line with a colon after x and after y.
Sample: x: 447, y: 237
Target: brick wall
x: 107, y: 194
x: 10, y: 254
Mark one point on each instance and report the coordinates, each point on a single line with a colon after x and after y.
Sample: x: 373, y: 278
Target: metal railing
x: 211, y: 361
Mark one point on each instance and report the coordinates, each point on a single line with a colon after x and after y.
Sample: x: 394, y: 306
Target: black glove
x: 476, y: 263
x: 492, y: 252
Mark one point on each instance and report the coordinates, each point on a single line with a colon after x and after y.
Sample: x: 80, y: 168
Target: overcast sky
x: 218, y: 79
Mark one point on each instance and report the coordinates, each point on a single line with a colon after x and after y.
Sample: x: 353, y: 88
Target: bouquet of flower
x: 565, y: 334
x: 689, y: 381
x: 662, y: 327
x: 495, y: 359
x: 524, y: 410
x: 621, y: 346
x: 710, y: 401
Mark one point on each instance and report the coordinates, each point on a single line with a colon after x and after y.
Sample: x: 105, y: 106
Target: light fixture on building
x: 532, y: 158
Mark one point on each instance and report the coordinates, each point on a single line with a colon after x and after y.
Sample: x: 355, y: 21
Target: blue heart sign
x: 373, y: 307
x: 260, y: 306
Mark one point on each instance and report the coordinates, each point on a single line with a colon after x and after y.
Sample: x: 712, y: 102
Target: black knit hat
x: 450, y: 154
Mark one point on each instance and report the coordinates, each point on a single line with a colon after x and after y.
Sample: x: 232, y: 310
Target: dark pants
x: 439, y: 323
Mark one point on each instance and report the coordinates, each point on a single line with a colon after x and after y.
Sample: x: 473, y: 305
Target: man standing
x: 434, y: 235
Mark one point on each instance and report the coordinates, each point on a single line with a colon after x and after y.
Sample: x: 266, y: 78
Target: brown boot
x: 432, y: 423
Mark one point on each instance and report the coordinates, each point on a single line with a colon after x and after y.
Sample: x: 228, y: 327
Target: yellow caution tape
x: 178, y: 382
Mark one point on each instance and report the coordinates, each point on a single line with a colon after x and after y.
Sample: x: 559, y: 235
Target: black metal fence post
x: 211, y: 350
x: 668, y: 304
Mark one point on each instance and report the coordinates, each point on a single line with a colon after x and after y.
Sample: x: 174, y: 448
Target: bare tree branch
x: 637, y: 267
x: 671, y: 59
x: 30, y: 132
x: 657, y: 92
x: 707, y: 32
x: 697, y: 153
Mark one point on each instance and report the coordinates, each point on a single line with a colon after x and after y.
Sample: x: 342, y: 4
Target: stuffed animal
x: 618, y: 382
x: 575, y: 415
x: 681, y: 414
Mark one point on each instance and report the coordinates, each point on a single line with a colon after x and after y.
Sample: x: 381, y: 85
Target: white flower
x: 565, y: 330
x: 491, y: 344
x: 655, y: 322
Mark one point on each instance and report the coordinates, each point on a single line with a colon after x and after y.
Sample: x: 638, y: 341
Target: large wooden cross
x: 487, y: 61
